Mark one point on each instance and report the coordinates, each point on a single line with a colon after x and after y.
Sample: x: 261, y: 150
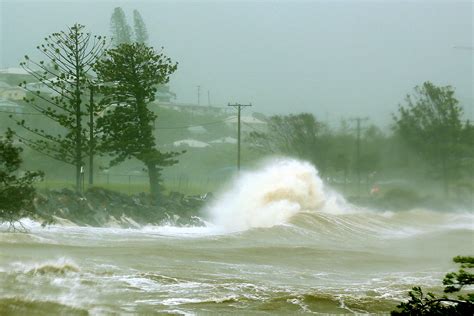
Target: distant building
x: 14, y: 76
x: 247, y: 123
x: 195, y: 109
x: 11, y: 92
x: 13, y: 71
x: 224, y: 140
x: 42, y: 87
x: 190, y: 143
x: 10, y: 106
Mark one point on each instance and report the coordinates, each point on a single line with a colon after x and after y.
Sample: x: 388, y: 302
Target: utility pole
x: 199, y: 94
x: 239, y: 108
x: 358, y: 120
x: 208, y: 98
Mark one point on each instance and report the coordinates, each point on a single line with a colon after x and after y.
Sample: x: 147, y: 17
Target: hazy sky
x: 331, y: 58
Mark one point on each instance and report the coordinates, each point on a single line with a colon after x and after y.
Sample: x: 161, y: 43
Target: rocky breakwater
x: 101, y: 207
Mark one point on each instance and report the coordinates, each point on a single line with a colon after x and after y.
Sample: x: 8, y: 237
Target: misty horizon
x: 335, y: 60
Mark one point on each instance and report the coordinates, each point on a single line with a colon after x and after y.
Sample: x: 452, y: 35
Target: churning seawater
x: 276, y: 242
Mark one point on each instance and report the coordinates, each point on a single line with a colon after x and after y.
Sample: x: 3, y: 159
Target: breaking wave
x: 60, y: 266
x: 272, y: 195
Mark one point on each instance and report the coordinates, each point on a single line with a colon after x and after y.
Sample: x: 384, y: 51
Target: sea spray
x: 269, y: 196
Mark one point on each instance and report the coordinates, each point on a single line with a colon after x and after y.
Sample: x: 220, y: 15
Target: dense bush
x: 16, y: 192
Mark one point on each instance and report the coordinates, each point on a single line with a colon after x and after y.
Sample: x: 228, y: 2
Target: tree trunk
x: 154, y: 176
x: 78, y: 177
x: 78, y: 150
x: 91, y: 137
x: 77, y: 110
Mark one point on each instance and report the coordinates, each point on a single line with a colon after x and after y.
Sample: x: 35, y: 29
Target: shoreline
x: 99, y: 207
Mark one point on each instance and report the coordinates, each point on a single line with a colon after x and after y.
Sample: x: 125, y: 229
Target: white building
x: 247, y: 123
x: 14, y: 71
x: 9, y: 106
x: 11, y: 92
x: 190, y: 143
x: 224, y: 140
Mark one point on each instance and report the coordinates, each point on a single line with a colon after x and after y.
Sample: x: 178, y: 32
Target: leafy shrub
x: 428, y: 304
x: 16, y: 192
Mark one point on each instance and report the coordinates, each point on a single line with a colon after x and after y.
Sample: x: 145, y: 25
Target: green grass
x: 55, y: 184
x: 197, y: 187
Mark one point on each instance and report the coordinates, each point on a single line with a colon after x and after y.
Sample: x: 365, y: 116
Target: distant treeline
x: 429, y: 139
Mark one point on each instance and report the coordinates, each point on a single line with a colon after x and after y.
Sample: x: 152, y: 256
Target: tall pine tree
x: 62, y: 83
x: 141, y: 34
x: 121, y: 31
x: 131, y: 73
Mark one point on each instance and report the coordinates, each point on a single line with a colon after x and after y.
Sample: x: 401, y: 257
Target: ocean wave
x: 59, y: 266
x: 23, y: 306
x: 286, y: 303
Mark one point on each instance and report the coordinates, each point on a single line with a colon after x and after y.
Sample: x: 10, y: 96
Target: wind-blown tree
x: 300, y: 135
x: 431, y: 123
x: 372, y: 143
x: 16, y: 193
x: 131, y: 73
x: 63, y: 79
x: 141, y: 34
x: 429, y: 304
x: 121, y: 31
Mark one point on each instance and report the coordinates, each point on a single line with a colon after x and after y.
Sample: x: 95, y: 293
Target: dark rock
x: 98, y: 207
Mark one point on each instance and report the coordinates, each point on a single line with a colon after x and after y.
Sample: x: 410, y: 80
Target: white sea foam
x: 272, y: 195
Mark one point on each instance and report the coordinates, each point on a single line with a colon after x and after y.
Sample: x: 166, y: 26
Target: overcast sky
x: 332, y: 58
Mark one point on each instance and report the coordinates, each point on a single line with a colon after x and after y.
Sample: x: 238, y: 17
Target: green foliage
x: 64, y: 78
x: 455, y: 281
x: 121, y: 31
x: 428, y: 304
x: 300, y: 135
x: 141, y: 34
x: 305, y: 137
x: 431, y: 123
x: 131, y: 73
x: 16, y: 192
